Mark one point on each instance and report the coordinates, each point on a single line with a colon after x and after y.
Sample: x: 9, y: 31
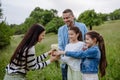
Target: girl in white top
x: 75, y: 44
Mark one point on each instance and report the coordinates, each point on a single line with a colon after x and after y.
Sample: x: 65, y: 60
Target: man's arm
x: 60, y: 40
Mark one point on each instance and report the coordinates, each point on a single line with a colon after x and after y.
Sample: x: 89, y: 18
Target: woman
x: 24, y: 58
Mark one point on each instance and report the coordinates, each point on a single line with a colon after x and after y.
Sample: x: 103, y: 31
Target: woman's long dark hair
x: 100, y: 41
x: 29, y: 40
x: 77, y: 31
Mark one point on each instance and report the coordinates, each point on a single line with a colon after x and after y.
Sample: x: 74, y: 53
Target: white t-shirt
x: 73, y: 63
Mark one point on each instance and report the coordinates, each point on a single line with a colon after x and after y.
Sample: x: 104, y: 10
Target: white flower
x: 54, y: 46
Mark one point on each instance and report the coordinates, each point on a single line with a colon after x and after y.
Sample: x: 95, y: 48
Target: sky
x: 16, y: 11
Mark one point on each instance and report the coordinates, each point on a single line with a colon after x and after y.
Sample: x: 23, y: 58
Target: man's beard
x: 70, y: 24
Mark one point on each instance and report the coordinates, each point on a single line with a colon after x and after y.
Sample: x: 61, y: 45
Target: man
x: 69, y: 20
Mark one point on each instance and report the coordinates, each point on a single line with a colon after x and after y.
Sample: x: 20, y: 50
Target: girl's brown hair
x: 100, y: 41
x: 77, y: 31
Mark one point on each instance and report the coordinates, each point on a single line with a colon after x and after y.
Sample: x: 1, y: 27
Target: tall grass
x: 109, y: 30
x: 6, y: 53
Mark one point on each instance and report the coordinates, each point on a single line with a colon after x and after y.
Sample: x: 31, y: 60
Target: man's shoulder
x: 62, y: 27
x: 80, y: 23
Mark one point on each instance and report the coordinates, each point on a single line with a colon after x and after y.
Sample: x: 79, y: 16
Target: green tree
x: 115, y: 15
x: 27, y: 24
x: 47, y: 17
x: 54, y: 24
x: 103, y: 16
x: 55, y: 12
x: 38, y: 15
x: 5, y: 33
x: 43, y: 16
x: 90, y: 18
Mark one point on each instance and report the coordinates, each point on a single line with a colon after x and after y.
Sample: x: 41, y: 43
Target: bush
x: 5, y: 33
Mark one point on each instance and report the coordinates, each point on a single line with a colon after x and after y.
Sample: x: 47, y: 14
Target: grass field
x: 109, y: 30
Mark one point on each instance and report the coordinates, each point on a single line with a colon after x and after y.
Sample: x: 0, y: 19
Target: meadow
x: 109, y: 30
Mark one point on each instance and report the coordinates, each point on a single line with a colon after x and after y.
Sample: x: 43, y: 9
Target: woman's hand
x: 54, y: 57
x: 50, y: 52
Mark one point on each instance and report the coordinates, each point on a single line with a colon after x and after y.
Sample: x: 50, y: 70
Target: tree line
x: 51, y: 21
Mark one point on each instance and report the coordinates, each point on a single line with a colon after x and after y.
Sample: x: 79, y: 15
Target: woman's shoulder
x: 32, y: 50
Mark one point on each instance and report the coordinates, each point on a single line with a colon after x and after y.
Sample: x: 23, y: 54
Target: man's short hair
x: 68, y: 11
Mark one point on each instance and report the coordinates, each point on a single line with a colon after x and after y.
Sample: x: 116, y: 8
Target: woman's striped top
x: 33, y: 63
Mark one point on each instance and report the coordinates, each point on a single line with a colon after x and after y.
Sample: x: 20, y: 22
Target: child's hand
x: 85, y: 47
x: 54, y: 57
x: 50, y: 52
x: 55, y: 53
x: 60, y: 52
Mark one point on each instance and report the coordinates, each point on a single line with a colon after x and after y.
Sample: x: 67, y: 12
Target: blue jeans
x: 64, y: 68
